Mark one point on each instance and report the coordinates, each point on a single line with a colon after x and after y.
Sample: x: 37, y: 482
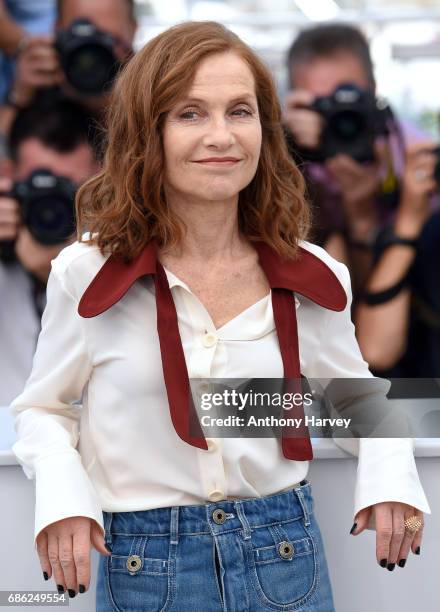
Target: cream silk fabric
x: 93, y: 423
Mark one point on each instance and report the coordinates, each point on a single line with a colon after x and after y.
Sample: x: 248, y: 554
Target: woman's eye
x: 192, y: 115
x: 242, y: 112
x: 189, y: 115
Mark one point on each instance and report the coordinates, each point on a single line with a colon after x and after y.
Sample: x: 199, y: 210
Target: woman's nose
x: 218, y: 133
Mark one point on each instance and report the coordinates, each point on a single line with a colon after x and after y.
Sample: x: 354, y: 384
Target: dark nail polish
x: 391, y: 566
x: 353, y: 528
x: 60, y: 588
x: 418, y: 550
x: 71, y: 593
x: 383, y: 563
x: 46, y: 575
x: 109, y: 548
x: 82, y: 588
x: 402, y: 562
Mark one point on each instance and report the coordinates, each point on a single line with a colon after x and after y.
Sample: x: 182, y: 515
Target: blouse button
x: 212, y: 444
x: 216, y: 495
x: 209, y: 340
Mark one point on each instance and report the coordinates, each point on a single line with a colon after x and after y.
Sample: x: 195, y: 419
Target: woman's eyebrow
x: 240, y: 98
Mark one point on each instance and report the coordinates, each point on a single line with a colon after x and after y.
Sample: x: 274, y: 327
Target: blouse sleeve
x: 386, y: 466
x: 47, y: 414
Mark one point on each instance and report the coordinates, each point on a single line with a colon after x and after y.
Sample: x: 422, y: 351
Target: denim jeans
x: 244, y: 555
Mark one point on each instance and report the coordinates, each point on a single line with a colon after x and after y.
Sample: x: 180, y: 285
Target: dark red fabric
x: 307, y: 275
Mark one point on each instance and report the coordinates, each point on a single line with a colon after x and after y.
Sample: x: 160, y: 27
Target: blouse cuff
x: 387, y: 472
x: 62, y: 490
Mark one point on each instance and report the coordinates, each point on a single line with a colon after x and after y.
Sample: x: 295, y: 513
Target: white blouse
x: 93, y: 422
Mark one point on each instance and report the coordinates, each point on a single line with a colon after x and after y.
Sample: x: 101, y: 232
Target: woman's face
x: 212, y: 137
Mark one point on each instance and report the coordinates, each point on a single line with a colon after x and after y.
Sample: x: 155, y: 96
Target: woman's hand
x: 393, y: 541
x: 64, y: 551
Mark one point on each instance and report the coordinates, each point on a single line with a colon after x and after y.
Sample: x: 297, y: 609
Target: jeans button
x: 219, y: 516
x: 286, y: 549
x: 134, y: 563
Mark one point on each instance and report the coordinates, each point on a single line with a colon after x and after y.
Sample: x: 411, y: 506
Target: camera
x: 47, y: 206
x: 353, y: 119
x: 87, y: 57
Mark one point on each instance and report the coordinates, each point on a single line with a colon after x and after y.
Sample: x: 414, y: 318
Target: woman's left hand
x: 393, y: 541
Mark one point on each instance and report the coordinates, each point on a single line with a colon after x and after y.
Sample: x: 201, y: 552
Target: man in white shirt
x: 57, y: 141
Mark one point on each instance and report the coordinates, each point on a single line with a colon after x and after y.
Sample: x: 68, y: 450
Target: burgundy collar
x: 307, y: 275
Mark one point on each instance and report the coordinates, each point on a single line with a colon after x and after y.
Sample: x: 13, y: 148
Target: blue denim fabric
x: 180, y: 559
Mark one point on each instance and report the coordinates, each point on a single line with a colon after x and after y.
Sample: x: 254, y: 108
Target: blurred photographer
x: 351, y: 147
x: 50, y: 156
x: 19, y: 21
x: 80, y: 59
x: 371, y: 180
x: 398, y: 316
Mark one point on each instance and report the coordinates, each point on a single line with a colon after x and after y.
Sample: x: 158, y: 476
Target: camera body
x: 47, y: 206
x: 353, y: 119
x: 87, y: 57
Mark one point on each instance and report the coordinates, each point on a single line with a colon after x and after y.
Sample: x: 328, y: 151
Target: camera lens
x: 348, y: 125
x: 90, y: 68
x: 51, y: 218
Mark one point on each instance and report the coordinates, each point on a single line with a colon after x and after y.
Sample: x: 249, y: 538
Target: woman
x: 194, y: 254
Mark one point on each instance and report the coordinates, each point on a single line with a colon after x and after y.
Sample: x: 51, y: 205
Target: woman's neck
x: 212, y: 231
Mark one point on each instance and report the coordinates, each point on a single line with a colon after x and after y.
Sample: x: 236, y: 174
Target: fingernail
x: 71, y: 593
x: 60, y: 588
x: 402, y: 562
x: 82, y: 588
x: 46, y: 575
x: 108, y: 547
x: 391, y: 566
x: 418, y: 550
x: 383, y: 563
x: 353, y: 528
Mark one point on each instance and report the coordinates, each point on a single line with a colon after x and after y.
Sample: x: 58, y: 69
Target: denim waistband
x: 240, y: 514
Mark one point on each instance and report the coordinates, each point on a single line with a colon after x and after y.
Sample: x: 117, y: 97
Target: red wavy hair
x: 124, y: 206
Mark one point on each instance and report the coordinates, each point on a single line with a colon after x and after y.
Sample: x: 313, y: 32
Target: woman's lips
x: 218, y: 162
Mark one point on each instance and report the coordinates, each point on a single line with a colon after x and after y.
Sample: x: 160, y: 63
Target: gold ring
x: 413, y: 524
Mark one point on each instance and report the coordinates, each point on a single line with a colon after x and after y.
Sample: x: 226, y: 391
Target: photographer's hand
x: 417, y: 185
x: 393, y: 541
x: 64, y: 551
x: 358, y: 184
x: 37, y: 66
x: 304, y: 124
x: 9, y: 212
x: 34, y: 256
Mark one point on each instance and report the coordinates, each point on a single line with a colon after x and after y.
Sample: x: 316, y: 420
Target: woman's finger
x: 417, y: 541
x: 65, y: 545
x: 406, y: 542
x: 398, y: 535
x: 361, y: 521
x: 384, y: 532
x: 81, y: 555
x: 57, y: 570
x: 43, y: 555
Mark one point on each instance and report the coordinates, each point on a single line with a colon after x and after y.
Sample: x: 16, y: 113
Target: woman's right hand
x: 64, y: 551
